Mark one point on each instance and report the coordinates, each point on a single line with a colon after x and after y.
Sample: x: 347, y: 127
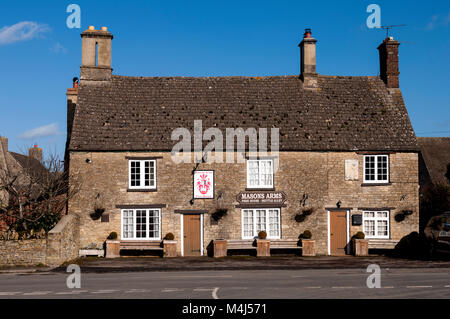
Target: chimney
x: 95, y: 56
x: 389, y: 71
x: 308, y: 72
x: 4, y: 141
x: 36, y: 153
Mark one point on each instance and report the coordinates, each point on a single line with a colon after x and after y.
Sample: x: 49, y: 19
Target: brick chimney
x: 389, y: 71
x: 36, y: 153
x: 95, y: 56
x: 308, y: 72
x: 4, y: 142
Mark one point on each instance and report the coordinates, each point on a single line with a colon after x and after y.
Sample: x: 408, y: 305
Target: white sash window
x: 142, y: 174
x: 256, y: 220
x: 141, y: 224
x: 260, y: 173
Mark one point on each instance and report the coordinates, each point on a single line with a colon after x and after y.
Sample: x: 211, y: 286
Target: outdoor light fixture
x: 88, y: 161
x: 338, y: 204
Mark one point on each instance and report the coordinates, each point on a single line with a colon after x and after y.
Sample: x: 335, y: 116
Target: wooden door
x: 338, y: 233
x: 191, y: 235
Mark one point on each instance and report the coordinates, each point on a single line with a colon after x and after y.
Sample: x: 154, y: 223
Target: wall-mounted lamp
x: 338, y: 204
x: 88, y: 161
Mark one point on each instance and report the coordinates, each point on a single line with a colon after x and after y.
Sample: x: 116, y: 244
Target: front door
x: 191, y: 235
x: 338, y: 233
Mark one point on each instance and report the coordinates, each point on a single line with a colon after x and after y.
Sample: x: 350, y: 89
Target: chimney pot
x: 91, y: 28
x: 104, y: 29
x: 35, y: 153
x: 4, y: 142
x: 389, y: 69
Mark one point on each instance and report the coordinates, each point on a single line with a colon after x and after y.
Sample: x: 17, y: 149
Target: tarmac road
x: 235, y: 284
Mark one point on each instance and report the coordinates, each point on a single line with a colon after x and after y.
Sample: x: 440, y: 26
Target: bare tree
x: 34, y: 195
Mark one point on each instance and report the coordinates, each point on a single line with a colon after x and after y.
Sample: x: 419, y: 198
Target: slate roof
x: 435, y: 152
x: 345, y: 113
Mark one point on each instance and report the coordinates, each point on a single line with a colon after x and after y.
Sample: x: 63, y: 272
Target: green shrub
x: 169, y: 236
x: 360, y: 235
x: 262, y: 234
x: 306, y: 234
x: 112, y: 236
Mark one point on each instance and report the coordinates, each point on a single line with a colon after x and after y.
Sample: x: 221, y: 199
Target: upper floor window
x: 376, y: 224
x: 142, y: 174
x: 376, y: 169
x: 260, y: 173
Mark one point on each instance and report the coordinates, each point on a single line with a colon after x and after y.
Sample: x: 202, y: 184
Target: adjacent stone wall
x: 319, y: 175
x: 23, y: 252
x: 60, y: 245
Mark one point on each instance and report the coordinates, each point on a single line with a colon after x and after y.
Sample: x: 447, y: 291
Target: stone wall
x: 60, y: 245
x: 23, y: 252
x: 319, y: 175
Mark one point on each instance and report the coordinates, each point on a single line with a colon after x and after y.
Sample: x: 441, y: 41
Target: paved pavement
x: 131, y: 264
x: 237, y: 284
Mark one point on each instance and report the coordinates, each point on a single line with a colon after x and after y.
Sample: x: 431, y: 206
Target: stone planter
x: 91, y: 252
x: 263, y: 248
x: 170, y: 248
x: 360, y: 247
x: 220, y: 248
x: 308, y: 248
x: 112, y: 248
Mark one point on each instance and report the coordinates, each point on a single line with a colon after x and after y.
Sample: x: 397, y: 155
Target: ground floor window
x: 256, y: 220
x: 376, y: 224
x: 141, y: 224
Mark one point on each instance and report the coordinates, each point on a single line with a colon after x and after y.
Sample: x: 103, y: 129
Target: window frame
x: 376, y: 180
x: 147, y: 210
x: 376, y: 219
x: 142, y: 174
x: 267, y: 222
x: 259, y: 186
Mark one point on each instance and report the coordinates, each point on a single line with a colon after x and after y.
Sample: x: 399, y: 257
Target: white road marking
x: 419, y: 286
x: 103, y: 291
x: 298, y: 276
x: 448, y: 286
x: 10, y: 293
x: 136, y: 291
x: 171, y: 290
x: 224, y: 276
x: 37, y: 293
x: 73, y: 292
x: 203, y: 289
x: 388, y: 287
x: 214, y: 293
x: 343, y: 287
x: 313, y: 287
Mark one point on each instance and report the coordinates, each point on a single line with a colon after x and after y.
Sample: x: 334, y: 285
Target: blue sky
x: 39, y: 54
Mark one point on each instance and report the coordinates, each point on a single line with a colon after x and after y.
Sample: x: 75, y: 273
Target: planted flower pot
x: 308, y: 247
x: 220, y: 248
x: 263, y: 248
x: 170, y: 248
x: 112, y: 248
x: 360, y: 247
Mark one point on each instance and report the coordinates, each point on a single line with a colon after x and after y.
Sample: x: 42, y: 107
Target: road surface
x: 238, y: 284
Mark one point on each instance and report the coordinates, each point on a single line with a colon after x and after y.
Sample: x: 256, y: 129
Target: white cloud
x: 58, y: 48
x: 22, y: 31
x: 42, y: 131
x: 437, y: 21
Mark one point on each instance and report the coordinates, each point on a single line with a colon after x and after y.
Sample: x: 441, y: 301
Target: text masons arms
x: 261, y: 197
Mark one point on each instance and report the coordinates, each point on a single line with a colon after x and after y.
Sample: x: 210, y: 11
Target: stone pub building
x: 347, y: 160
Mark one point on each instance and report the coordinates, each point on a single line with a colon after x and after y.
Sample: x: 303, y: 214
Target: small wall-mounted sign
x: 261, y: 198
x: 357, y: 220
x: 204, y: 184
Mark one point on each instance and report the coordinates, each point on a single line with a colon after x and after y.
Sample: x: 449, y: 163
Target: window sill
x: 375, y: 184
x: 142, y: 190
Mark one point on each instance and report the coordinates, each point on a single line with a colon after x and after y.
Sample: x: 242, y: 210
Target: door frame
x: 347, y: 217
x: 182, y: 233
